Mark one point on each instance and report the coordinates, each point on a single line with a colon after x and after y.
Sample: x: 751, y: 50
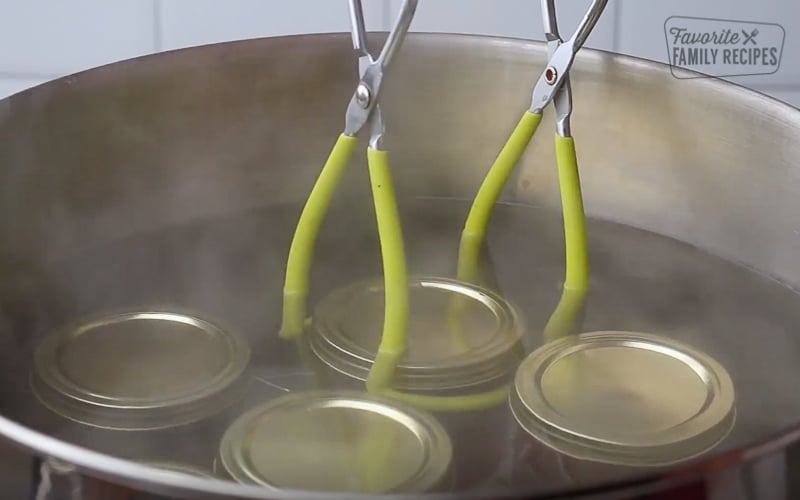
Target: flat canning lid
x: 339, y: 441
x: 623, y: 398
x: 140, y: 370
x: 484, y: 344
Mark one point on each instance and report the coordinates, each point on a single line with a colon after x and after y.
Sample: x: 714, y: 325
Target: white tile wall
x: 196, y: 22
x: 11, y: 84
x: 789, y: 96
x: 641, y: 32
x: 49, y: 37
x: 44, y: 39
x: 512, y: 18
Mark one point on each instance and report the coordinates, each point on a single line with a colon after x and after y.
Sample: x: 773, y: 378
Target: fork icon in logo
x: 750, y: 37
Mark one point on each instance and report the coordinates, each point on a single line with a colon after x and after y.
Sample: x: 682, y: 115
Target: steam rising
x: 178, y: 182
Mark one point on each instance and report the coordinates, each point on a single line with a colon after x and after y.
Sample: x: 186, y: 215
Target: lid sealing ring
x: 345, y: 332
x: 140, y: 370
x: 360, y: 443
x: 624, y: 398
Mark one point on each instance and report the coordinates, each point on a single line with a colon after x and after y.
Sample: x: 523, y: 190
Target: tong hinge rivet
x: 363, y: 96
x: 550, y: 75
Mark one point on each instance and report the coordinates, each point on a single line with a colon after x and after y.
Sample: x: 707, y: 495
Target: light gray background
x: 45, y: 39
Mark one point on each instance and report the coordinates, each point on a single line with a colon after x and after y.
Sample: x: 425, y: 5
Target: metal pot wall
x: 92, y: 165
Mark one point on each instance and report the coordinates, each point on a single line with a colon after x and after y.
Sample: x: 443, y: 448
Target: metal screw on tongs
x: 550, y: 75
x: 362, y: 96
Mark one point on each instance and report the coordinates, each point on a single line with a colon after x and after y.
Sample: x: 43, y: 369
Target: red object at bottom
x: 691, y: 491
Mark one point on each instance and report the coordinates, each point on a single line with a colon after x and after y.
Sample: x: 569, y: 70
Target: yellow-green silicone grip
x: 570, y: 306
x: 395, y: 276
x: 376, y: 444
x: 481, y: 210
x: 562, y: 321
x: 381, y: 379
x: 452, y: 404
x: 301, y: 252
x: 577, y: 259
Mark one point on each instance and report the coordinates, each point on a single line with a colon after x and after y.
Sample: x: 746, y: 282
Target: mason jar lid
x: 481, y: 345
x: 140, y: 370
x: 623, y: 398
x: 337, y: 442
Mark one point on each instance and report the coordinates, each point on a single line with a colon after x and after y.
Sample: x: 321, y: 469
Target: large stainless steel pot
x: 184, y: 136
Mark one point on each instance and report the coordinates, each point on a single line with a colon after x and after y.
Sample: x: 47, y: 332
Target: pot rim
x: 137, y: 475
x: 134, y: 474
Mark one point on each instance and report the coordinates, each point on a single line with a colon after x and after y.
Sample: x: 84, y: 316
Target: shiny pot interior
x: 146, y: 182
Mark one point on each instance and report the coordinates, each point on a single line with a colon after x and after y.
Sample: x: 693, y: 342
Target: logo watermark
x: 722, y: 48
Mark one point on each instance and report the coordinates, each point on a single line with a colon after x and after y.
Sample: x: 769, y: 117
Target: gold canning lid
x: 347, y: 324
x: 337, y: 442
x: 623, y: 398
x: 140, y: 370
